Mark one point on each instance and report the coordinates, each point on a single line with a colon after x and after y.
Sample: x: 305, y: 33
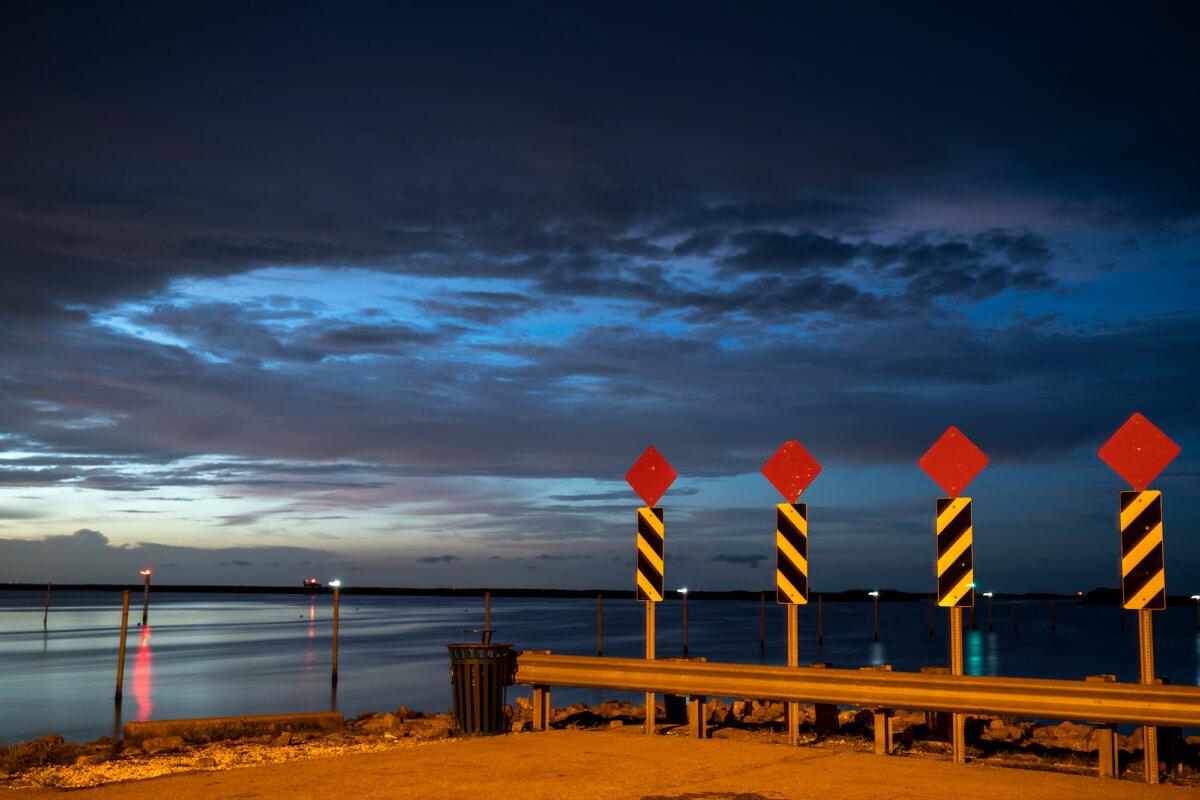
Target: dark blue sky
x: 398, y: 294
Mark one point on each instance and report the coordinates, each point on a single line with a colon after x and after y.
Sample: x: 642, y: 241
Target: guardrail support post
x: 883, y: 731
x: 826, y: 714
x: 939, y: 722
x: 541, y: 708
x: 793, y: 660
x: 959, y: 733
x: 698, y: 716
x: 1106, y: 739
x: 1149, y: 732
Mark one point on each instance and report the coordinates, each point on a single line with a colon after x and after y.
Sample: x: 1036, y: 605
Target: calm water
x: 208, y: 655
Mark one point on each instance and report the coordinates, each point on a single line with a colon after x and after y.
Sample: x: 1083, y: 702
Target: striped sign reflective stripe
x: 955, y: 561
x: 791, y: 546
x: 1143, y: 581
x: 651, y: 553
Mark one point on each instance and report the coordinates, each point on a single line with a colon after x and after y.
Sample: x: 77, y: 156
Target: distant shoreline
x: 1099, y: 596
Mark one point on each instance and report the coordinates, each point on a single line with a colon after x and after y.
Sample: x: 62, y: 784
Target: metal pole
x: 685, y: 642
x: 793, y: 660
x: 959, y: 736
x: 121, y: 650
x: 599, y: 624
x: 991, y: 627
x: 1149, y: 732
x: 974, y: 620
x: 820, y: 619
x: 46, y: 607
x: 146, y: 598
x: 337, y: 597
x: 875, y: 623
x: 762, y: 620
x: 650, y: 657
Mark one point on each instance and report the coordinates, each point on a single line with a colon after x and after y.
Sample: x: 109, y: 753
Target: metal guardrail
x: 1096, y: 702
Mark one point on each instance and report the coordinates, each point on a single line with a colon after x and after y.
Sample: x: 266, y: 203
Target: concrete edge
x: 208, y: 729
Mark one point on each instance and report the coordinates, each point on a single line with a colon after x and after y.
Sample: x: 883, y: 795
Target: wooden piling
x: 46, y: 607
x: 487, y: 617
x: 685, y: 625
x: 121, y: 649
x: 337, y: 597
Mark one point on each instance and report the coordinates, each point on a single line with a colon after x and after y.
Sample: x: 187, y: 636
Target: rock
x: 1006, y: 730
x: 90, y: 759
x: 559, y: 714
x: 404, y: 712
x: 737, y: 711
x: 378, y: 723
x: 282, y: 740
x: 616, y: 723
x: 764, y: 711
x: 436, y: 726
x: 163, y: 744
x: 520, y: 726
x: 133, y: 752
x: 1066, y: 736
x: 718, y: 713
x: 207, y: 762
x: 613, y: 709
x: 524, y: 704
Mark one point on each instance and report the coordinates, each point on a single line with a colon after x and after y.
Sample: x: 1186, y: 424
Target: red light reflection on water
x: 143, y: 677
x: 312, y: 619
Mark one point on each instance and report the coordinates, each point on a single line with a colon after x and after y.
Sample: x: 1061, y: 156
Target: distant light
x: 1196, y: 597
x: 146, y: 572
x: 1079, y: 594
x: 971, y: 585
x: 987, y: 594
x: 683, y: 590
x: 873, y: 594
x: 335, y: 584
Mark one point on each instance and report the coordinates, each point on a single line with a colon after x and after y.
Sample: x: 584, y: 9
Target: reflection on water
x: 310, y: 652
x: 878, y: 654
x: 143, y: 677
x: 993, y: 654
x: 973, y: 645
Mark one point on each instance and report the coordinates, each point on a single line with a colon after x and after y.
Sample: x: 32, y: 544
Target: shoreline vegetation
x: 1097, y: 596
x: 51, y: 762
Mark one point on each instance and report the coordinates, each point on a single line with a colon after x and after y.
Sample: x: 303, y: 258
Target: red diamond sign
x: 651, y: 476
x: 791, y: 470
x: 953, y: 461
x: 1138, y: 451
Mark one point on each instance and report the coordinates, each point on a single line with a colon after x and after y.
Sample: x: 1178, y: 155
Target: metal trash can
x: 478, y: 675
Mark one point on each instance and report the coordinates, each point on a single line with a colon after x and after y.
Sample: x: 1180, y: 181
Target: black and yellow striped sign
x: 955, y: 560
x: 791, y: 546
x: 1143, y: 581
x: 651, y: 551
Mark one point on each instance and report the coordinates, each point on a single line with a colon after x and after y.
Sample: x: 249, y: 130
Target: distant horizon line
x: 1097, y: 595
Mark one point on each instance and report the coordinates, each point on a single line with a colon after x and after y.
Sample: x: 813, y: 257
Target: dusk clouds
x: 410, y: 289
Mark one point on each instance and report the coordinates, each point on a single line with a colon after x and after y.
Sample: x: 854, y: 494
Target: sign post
x: 790, y: 471
x: 650, y: 476
x: 953, y: 462
x: 1138, y: 452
